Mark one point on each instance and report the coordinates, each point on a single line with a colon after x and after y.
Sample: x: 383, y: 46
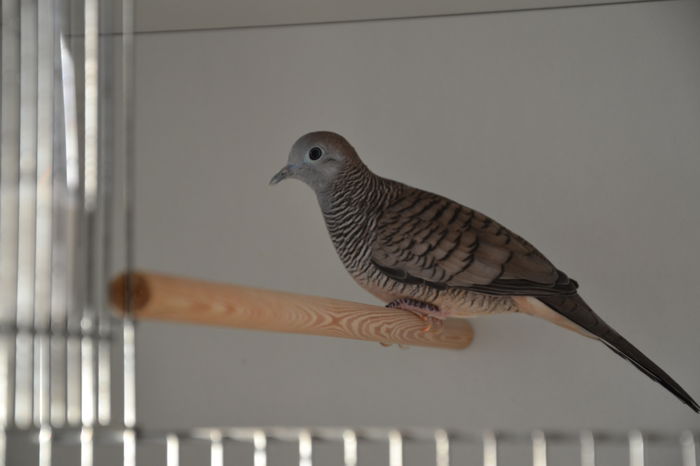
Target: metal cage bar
x: 490, y: 449
x: 26, y: 224
x: 172, y: 454
x: 442, y: 448
x: 90, y: 439
x: 350, y: 447
x: 305, y: 448
x: 688, y: 445
x: 260, y: 444
x: 587, y: 440
x: 636, y: 448
x: 9, y: 209
x: 539, y: 448
x: 395, y: 447
x: 58, y: 205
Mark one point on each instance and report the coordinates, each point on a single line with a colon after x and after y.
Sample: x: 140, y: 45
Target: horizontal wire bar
x: 12, y: 329
x: 248, y: 435
x: 389, y: 18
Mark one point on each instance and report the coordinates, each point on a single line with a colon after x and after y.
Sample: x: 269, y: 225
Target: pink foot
x: 427, y: 312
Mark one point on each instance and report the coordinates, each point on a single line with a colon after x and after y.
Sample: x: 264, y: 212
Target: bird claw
x: 432, y: 323
x: 386, y: 345
x: 428, y: 313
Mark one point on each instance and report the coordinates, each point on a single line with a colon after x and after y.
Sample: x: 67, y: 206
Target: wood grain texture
x: 161, y: 297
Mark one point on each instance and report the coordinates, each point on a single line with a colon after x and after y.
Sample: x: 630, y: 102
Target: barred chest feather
x: 352, y: 228
x: 351, y: 211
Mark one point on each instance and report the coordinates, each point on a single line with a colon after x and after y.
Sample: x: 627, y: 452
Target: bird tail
x: 574, y: 308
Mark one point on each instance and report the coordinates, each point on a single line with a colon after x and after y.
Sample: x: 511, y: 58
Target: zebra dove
x: 423, y: 253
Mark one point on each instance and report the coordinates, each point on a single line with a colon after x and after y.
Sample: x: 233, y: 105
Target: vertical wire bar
x: 91, y: 142
x: 44, y: 211
x: 172, y: 450
x: 9, y: 206
x: 75, y: 72
x: 350, y: 447
x: 128, y: 324
x: 26, y: 246
x: 3, y: 445
x: 688, y: 449
x: 59, y: 288
x: 539, y: 448
x: 103, y: 325
x: 442, y: 448
x: 104, y: 382
x: 104, y: 376
x: 490, y: 443
x: 59, y: 259
x: 58, y: 350
x: 86, y: 446
x: 305, y: 448
x: 129, y: 353
x: 87, y: 386
x: 45, y: 446
x: 129, y: 442
x: 260, y: 446
x: 73, y: 380
x: 103, y: 219
x: 66, y: 300
x: 90, y: 180
x: 395, y: 448
x: 636, y: 448
x: 72, y: 71
x: 216, y: 455
x: 41, y: 379
x: 587, y: 441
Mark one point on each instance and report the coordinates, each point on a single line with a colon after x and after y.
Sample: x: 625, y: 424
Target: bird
x: 421, y: 252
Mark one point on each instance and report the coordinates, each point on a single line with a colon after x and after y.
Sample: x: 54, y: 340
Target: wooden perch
x: 161, y: 297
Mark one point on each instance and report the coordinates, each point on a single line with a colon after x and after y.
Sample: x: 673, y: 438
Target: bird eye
x: 315, y: 153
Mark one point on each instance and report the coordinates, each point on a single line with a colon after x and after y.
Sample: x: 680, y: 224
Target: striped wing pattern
x: 426, y: 238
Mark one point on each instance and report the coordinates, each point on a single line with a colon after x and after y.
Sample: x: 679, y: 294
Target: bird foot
x: 386, y: 345
x: 428, y: 313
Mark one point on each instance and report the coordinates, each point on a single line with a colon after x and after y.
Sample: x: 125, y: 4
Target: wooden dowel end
x: 162, y: 297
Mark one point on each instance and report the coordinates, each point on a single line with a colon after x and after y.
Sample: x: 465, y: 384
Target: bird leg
x: 429, y: 313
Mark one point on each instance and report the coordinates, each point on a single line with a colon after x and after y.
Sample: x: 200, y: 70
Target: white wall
x: 578, y: 129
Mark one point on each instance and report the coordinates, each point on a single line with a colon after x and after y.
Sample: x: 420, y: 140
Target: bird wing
x: 426, y: 238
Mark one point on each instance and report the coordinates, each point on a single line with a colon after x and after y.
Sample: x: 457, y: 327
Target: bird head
x: 317, y: 159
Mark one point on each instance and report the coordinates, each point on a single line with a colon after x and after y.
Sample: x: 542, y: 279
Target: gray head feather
x: 317, y: 159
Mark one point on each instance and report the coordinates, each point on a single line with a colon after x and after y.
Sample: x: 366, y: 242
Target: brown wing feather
x: 427, y: 238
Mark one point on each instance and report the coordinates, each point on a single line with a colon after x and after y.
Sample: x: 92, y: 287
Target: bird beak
x: 285, y: 173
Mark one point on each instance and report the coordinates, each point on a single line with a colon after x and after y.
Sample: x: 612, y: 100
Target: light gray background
x: 579, y: 129
x: 172, y: 15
